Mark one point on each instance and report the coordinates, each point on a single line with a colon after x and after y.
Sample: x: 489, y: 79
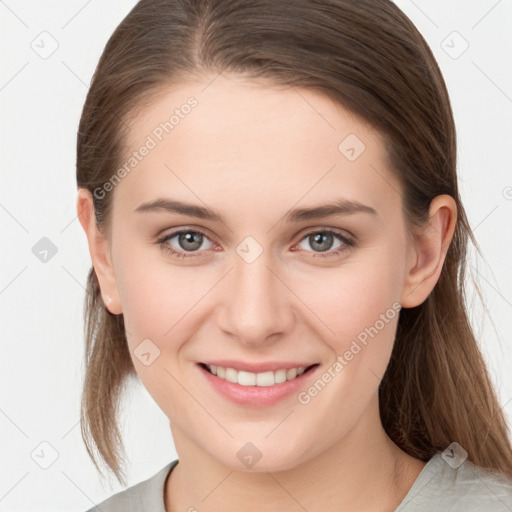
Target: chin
x: 251, y: 460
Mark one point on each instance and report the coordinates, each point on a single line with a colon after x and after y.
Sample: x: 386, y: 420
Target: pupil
x: 317, y: 239
x: 190, y: 237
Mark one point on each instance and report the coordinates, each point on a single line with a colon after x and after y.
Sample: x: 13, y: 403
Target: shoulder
x: 146, y: 495
x: 467, y: 487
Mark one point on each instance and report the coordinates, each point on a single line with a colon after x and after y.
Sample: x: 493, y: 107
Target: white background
x: 41, y: 303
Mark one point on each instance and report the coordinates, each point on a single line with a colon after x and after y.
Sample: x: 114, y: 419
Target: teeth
x: 255, y: 379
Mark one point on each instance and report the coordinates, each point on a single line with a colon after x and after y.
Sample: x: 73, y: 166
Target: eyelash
x: 350, y: 243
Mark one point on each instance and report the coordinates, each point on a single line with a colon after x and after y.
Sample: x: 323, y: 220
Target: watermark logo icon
x: 249, y: 454
x: 351, y: 147
x: 249, y: 249
x: 44, y: 250
x: 44, y: 455
x: 454, y: 455
x: 45, y: 45
x: 146, y: 352
x: 454, y: 45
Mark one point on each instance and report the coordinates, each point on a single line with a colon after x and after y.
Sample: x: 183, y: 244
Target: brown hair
x: 368, y: 56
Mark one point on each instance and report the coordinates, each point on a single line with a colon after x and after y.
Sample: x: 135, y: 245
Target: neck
x: 336, y: 479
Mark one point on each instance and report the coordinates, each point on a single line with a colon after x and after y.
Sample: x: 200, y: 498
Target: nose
x: 257, y: 305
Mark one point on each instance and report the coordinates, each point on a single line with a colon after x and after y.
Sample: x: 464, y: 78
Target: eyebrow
x: 339, y: 207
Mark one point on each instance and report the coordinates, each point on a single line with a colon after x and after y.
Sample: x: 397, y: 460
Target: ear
x: 428, y: 251
x: 99, y: 250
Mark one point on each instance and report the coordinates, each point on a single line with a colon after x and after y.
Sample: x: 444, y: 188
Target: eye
x: 323, y: 241
x: 189, y: 241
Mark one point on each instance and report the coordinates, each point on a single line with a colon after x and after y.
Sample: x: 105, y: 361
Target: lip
x: 257, y: 396
x: 271, y: 366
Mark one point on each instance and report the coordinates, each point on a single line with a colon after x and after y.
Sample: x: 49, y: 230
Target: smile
x: 263, y: 379
x: 261, y: 389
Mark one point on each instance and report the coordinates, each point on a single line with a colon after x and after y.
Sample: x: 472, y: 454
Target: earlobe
x: 428, y: 251
x: 99, y: 251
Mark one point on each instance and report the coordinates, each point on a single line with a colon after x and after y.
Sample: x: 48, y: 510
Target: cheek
x: 357, y: 311
x: 159, y: 301
x: 162, y: 302
x: 162, y: 312
x: 356, y: 306
x: 349, y: 307
x: 155, y: 293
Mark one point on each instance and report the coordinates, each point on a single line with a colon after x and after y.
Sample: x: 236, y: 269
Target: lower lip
x: 257, y: 396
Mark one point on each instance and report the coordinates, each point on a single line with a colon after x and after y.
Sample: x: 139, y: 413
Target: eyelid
x: 318, y: 229
x: 302, y: 234
x: 347, y: 238
x: 171, y: 231
x: 205, y: 232
x: 164, y: 238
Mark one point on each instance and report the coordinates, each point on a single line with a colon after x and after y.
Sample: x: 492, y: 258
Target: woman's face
x: 262, y: 285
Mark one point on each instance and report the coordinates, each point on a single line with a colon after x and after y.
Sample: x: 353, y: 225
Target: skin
x: 254, y: 151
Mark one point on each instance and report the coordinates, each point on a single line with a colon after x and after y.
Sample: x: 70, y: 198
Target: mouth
x: 279, y: 381
x: 260, y: 379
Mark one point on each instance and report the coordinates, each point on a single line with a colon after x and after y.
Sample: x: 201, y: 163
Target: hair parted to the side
x: 368, y: 56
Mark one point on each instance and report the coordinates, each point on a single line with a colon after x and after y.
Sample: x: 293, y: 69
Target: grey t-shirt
x: 438, y: 488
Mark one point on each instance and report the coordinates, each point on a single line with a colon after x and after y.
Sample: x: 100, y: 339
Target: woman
x: 270, y: 197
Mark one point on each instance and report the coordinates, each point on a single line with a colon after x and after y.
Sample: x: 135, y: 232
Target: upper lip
x: 270, y: 366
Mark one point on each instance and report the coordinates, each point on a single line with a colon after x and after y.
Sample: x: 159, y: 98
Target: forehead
x: 232, y: 142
